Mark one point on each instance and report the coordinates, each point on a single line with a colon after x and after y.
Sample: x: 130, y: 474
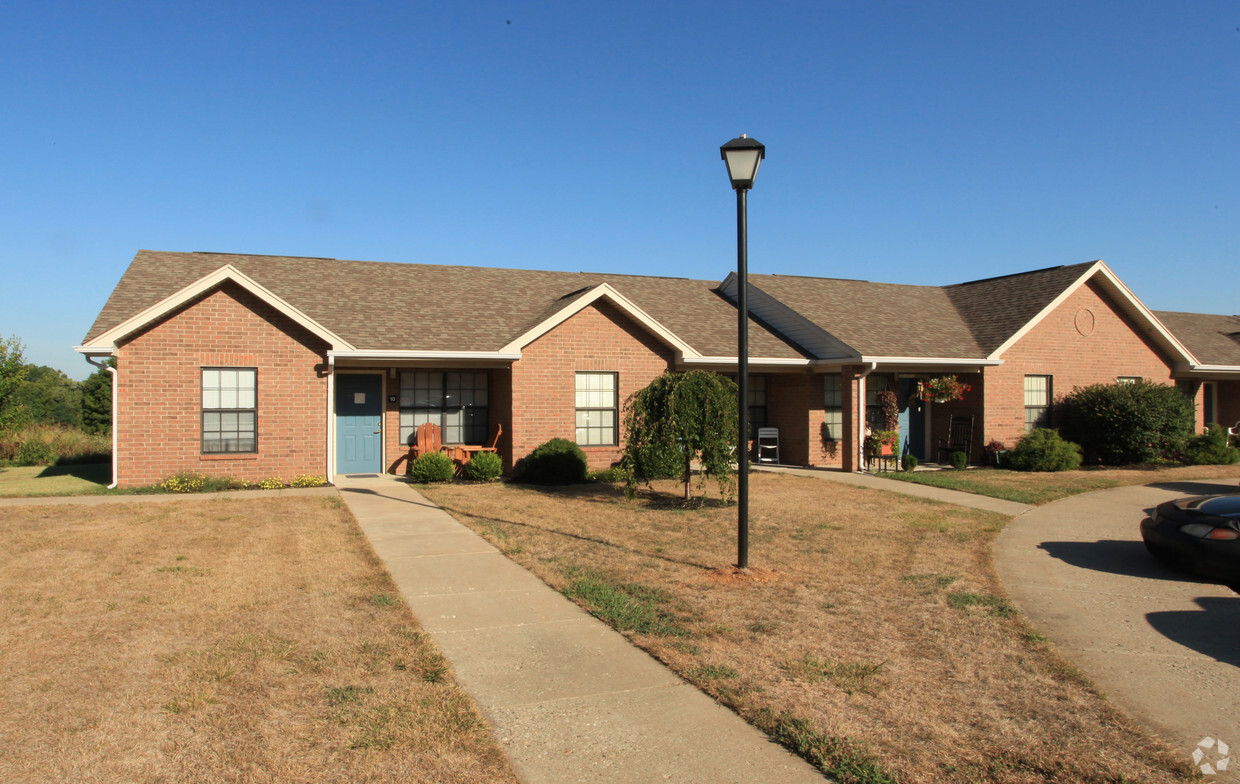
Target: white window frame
x: 597, y: 410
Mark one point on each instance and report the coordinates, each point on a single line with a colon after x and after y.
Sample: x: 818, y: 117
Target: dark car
x: 1200, y: 534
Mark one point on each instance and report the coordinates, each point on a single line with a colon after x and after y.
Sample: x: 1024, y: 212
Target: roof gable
x: 207, y: 283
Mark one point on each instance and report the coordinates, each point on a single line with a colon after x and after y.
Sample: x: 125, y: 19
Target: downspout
x: 331, y: 435
x: 861, y: 415
x: 115, y: 471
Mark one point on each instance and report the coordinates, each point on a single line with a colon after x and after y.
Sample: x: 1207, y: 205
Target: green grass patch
x: 1019, y: 486
x: 840, y: 758
x: 929, y: 583
x: 712, y: 672
x: 81, y: 479
x: 850, y: 677
x: 995, y: 605
x: 627, y: 607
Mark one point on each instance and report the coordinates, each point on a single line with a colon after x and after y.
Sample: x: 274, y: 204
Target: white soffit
x: 601, y: 291
x: 1124, y: 298
x: 201, y: 286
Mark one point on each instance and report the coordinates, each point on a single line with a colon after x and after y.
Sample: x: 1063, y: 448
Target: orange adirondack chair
x: 428, y: 440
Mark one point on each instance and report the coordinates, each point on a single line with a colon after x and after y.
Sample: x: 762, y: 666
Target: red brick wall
x: 159, y: 382
x: 1057, y: 347
x: 600, y: 338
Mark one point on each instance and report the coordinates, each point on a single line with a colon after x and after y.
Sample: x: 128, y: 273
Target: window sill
x: 230, y: 456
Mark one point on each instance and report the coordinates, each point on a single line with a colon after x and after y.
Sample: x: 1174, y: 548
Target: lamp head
x: 743, y: 157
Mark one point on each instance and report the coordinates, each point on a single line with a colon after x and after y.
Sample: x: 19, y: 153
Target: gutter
x: 115, y: 471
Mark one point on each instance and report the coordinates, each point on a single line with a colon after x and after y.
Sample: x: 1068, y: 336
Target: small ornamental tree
x: 679, y: 418
x: 13, y: 371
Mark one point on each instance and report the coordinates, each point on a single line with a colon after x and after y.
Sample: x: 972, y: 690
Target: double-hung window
x: 1037, y: 402
x: 833, y: 403
x: 456, y: 401
x: 596, y: 409
x: 229, y: 410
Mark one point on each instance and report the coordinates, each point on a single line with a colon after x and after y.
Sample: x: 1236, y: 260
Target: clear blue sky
x: 913, y: 142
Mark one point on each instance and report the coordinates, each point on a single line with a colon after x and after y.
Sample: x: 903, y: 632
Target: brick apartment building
x: 259, y: 366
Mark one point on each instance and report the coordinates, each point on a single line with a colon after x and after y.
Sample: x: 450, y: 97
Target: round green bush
x: 557, y: 462
x: 1043, y: 450
x: 1211, y: 448
x: 484, y: 467
x: 1125, y: 423
x: 958, y: 460
x: 908, y: 462
x: 431, y: 467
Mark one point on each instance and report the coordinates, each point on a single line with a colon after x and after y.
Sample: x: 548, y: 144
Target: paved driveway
x: 1161, y: 645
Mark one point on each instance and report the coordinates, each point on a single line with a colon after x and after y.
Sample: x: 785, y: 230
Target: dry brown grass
x: 877, y: 624
x: 219, y: 641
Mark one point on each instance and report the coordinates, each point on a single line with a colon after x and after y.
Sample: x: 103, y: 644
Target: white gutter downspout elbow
x: 860, y: 445
x: 115, y: 471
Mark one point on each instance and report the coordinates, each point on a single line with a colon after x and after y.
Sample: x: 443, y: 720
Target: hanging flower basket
x: 943, y: 389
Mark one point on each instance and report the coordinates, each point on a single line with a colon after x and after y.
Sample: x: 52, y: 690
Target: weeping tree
x: 679, y: 418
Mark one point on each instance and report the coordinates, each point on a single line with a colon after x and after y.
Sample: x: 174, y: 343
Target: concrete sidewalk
x: 569, y: 698
x: 971, y: 500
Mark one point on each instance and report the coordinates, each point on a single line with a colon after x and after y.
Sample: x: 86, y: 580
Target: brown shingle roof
x: 994, y: 309
x: 386, y: 306
x: 877, y: 319
x: 1214, y: 340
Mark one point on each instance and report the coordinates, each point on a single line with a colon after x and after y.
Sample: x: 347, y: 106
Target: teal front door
x: 359, y: 424
x: 912, y: 419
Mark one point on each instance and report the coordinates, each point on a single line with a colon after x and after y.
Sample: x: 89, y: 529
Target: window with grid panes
x: 873, y: 414
x: 596, y: 409
x: 456, y: 401
x: 229, y: 410
x: 757, y: 404
x: 1037, y: 401
x: 833, y: 402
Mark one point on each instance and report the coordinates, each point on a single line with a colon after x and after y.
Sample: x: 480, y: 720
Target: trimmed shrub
x: 556, y: 462
x: 484, y: 467
x: 1043, y: 450
x: 1126, y: 423
x: 431, y: 467
x: 1211, y: 448
x: 613, y: 474
x: 908, y: 462
x: 958, y: 460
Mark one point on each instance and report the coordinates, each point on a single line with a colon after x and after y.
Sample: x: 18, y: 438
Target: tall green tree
x: 49, y: 396
x: 677, y: 419
x: 97, y: 401
x: 13, y: 371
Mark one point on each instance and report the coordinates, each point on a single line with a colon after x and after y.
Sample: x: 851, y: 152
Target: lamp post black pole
x: 742, y: 379
x: 743, y: 157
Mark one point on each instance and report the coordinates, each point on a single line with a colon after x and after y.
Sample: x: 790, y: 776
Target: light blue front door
x: 359, y: 424
x: 912, y: 419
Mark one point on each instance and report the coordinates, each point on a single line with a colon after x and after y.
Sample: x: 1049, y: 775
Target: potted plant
x: 881, y: 443
x: 943, y: 389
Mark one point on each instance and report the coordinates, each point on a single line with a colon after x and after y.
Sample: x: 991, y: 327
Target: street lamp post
x: 743, y: 157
